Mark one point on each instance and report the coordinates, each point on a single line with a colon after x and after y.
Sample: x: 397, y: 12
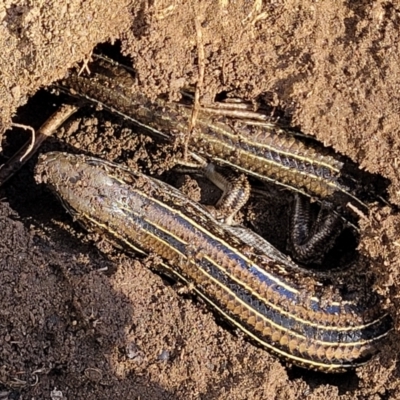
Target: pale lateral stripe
x: 287, y: 313
x: 278, y: 327
x: 234, y: 138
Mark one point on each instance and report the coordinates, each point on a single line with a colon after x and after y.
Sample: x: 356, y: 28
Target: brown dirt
x: 101, y: 327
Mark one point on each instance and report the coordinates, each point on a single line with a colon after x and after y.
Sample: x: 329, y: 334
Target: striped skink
x: 297, y: 314
x: 257, y: 148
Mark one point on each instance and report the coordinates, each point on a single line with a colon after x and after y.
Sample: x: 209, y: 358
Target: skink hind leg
x: 309, y: 243
x: 235, y: 187
x: 235, y: 192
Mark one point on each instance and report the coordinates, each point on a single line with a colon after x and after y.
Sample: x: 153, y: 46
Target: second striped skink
x: 260, y: 149
x: 297, y: 314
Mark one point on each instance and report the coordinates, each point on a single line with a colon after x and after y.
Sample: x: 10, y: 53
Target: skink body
x: 295, y: 313
x: 259, y: 149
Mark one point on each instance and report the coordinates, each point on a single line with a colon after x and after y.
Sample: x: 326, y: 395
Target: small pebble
x: 164, y: 356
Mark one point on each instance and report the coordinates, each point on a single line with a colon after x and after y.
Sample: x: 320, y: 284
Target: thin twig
x: 235, y: 113
x: 85, y: 65
x: 199, y: 83
x: 8, y: 169
x: 357, y: 211
x: 28, y: 128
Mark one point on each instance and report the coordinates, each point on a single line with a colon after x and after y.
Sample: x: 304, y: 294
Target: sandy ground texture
x: 80, y: 320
